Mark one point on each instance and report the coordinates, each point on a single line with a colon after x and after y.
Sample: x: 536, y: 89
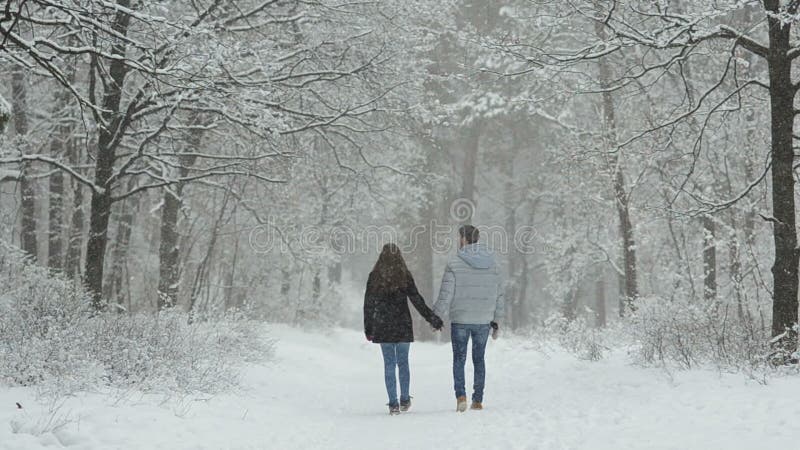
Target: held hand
x: 370, y: 338
x: 437, y: 323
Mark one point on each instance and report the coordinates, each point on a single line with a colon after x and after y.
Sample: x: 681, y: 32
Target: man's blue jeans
x: 395, y: 356
x: 460, y: 335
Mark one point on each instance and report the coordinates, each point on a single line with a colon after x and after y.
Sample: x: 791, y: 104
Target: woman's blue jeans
x: 395, y: 356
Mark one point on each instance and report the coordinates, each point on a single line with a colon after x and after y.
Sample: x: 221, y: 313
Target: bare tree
x: 139, y: 90
x: 169, y: 250
x: 664, y: 39
x: 621, y: 196
x: 75, y: 233
x: 19, y: 92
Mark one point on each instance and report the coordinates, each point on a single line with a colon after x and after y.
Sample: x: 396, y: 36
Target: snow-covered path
x: 326, y: 391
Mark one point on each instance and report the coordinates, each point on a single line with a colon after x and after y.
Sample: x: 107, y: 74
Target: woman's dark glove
x: 495, y: 329
x: 436, y: 322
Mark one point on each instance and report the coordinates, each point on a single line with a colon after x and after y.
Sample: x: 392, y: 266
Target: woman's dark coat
x: 386, y: 314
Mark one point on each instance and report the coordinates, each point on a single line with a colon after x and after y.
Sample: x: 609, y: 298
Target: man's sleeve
x: 446, y: 293
x: 500, y: 307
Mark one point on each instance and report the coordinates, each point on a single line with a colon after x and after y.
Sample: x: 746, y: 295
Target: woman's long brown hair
x: 390, y: 270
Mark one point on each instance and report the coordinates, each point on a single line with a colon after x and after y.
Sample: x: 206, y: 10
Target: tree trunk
x: 5, y: 115
x: 98, y: 237
x: 286, y: 283
x: 230, y: 300
x: 513, y: 273
x: 115, y: 289
x: 19, y: 94
x: 104, y: 164
x: 169, y: 270
x: 119, y: 256
x: 709, y: 259
x: 626, y: 227
x: 201, y: 279
x: 422, y: 255
x: 75, y: 239
x: 569, y: 305
x: 335, y: 273
x: 168, y: 250
x: 55, y: 252
x: 471, y: 147
x: 600, y: 300
x: 521, y: 312
x: 631, y: 290
x: 316, y: 287
x: 735, y: 267
x: 59, y: 146
x: 784, y: 269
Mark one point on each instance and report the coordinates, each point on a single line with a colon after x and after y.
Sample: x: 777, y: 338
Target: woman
x: 387, y: 320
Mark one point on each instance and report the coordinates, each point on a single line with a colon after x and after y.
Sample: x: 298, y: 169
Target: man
x: 472, y: 296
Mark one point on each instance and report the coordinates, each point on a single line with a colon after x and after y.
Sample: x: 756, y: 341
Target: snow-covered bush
x: 43, y: 320
x: 50, y: 419
x: 577, y: 337
x: 670, y: 334
x: 166, y: 353
x: 691, y: 334
x: 49, y: 338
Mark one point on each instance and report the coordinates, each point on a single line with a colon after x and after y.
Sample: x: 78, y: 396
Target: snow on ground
x: 326, y: 391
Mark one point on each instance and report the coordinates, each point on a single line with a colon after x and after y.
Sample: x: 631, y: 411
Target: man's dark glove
x: 495, y: 329
x: 437, y: 323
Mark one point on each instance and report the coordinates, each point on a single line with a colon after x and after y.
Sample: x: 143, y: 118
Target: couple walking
x: 471, y: 295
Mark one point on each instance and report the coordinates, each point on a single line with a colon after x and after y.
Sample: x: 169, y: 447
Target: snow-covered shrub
x: 49, y: 338
x: 577, y: 337
x: 166, y: 353
x: 49, y: 420
x: 690, y: 334
x: 43, y: 320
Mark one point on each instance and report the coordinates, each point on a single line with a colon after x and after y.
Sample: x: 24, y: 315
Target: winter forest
x: 194, y: 194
